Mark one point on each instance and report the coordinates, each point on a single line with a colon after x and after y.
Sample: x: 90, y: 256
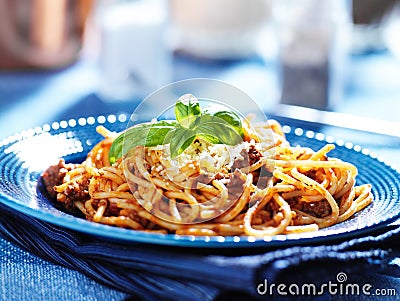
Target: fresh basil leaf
x: 148, y: 134
x: 180, y: 139
x: 215, y: 125
x: 213, y: 129
x: 115, y: 151
x: 187, y: 108
x: 157, y: 133
x: 209, y: 138
x: 232, y: 118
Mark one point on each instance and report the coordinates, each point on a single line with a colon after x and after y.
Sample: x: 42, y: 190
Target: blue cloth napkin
x: 149, y: 272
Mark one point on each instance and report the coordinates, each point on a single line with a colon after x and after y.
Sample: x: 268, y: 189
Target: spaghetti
x: 261, y: 187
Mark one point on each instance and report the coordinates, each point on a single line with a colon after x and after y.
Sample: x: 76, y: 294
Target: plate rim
x: 130, y: 236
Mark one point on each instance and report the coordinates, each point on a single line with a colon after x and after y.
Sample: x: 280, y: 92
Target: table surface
x: 33, y: 98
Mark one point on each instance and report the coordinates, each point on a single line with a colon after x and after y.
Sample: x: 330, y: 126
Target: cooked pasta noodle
x: 266, y: 187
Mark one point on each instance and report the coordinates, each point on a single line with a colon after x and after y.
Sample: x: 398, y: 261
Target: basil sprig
x: 213, y: 126
x: 187, y: 109
x: 147, y: 134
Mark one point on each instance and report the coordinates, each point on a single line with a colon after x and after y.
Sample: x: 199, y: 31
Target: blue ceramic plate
x: 24, y: 156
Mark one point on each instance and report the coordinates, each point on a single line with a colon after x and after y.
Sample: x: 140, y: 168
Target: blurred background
x: 332, y: 62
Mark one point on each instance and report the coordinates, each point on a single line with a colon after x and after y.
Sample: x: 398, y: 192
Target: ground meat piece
x: 221, y: 176
x: 254, y: 154
x: 242, y: 161
x: 311, y: 173
x: 271, y: 209
x: 235, y: 184
x: 54, y: 176
x: 316, y: 209
x: 75, y: 191
x: 201, y: 179
x: 262, y: 177
x: 247, y: 158
x: 133, y: 215
x: 113, y: 210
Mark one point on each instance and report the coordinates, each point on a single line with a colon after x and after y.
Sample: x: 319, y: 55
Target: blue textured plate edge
x: 131, y: 237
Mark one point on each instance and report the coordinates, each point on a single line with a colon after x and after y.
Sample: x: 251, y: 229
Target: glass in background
x: 223, y: 29
x: 313, y: 40
x: 371, y: 21
x: 231, y: 40
x: 134, y: 58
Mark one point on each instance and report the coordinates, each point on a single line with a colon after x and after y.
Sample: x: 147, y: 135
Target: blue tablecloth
x: 28, y: 99
x: 366, y: 265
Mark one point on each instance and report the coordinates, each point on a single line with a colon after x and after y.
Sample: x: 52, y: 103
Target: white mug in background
x: 222, y: 29
x: 134, y: 58
x: 314, y: 42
